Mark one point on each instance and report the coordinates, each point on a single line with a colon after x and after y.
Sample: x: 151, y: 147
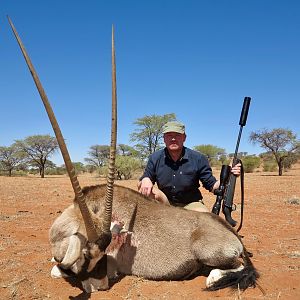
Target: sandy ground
x: 30, y: 204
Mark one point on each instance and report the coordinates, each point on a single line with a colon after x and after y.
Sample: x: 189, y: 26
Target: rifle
x: 226, y: 189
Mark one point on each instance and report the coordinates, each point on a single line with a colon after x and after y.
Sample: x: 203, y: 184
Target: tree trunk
x: 42, y: 172
x: 280, y: 169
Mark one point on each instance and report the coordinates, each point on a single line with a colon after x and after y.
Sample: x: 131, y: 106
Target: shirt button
x: 174, y: 186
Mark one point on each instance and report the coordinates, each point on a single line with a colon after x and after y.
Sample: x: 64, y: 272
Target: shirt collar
x: 184, y: 154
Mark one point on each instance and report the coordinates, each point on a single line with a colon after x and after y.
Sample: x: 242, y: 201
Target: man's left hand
x: 236, y: 170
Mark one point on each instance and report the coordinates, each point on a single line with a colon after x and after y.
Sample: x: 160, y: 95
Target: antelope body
x: 160, y: 242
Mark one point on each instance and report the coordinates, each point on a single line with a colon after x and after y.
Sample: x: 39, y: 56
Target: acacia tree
x: 210, y: 151
x: 98, y: 155
x: 79, y: 167
x: 49, y: 165
x: 126, y: 166
x: 126, y: 150
x: 149, y: 134
x: 10, y: 158
x: 127, y: 161
x: 282, y: 143
x: 38, y: 149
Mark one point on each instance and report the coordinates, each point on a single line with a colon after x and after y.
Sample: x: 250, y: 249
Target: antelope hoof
x: 213, y: 277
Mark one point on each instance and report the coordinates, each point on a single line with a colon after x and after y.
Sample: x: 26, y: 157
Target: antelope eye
x: 88, y: 255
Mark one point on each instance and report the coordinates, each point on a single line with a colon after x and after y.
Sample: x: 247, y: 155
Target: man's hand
x: 145, y: 186
x: 236, y: 170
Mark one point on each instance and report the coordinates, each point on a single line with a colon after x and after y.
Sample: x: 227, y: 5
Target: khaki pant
x: 161, y: 197
x: 197, y: 206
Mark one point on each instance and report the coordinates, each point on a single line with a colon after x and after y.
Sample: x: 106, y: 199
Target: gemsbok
x: 112, y: 230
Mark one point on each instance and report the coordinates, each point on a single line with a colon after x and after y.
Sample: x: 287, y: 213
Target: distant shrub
x: 55, y: 171
x: 102, y: 171
x: 250, y: 163
x: 216, y: 163
x: 269, y: 166
x: 126, y: 166
x: 91, y: 169
x: 20, y: 173
x: 290, y: 160
x: 33, y: 171
x: 14, y: 173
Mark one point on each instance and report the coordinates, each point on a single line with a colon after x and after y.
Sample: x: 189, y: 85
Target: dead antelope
x: 95, y: 240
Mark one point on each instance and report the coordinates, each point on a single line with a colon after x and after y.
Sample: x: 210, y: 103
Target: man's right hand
x: 145, y: 186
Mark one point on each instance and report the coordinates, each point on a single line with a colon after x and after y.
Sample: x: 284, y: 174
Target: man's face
x: 174, y: 141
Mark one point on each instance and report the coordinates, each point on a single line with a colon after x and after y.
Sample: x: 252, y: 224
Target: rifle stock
x: 224, y: 175
x: 228, y: 200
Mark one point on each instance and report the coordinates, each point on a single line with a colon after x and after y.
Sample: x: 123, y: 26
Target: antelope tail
x: 244, y: 278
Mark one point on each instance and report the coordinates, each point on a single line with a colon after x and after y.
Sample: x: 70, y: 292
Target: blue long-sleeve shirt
x: 180, y: 180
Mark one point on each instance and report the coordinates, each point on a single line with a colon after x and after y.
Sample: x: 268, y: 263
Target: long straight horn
x: 90, y: 228
x: 113, y: 143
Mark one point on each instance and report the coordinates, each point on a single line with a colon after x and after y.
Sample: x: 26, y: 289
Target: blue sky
x: 197, y: 59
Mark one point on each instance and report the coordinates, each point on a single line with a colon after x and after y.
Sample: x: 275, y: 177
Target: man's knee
x: 197, y: 206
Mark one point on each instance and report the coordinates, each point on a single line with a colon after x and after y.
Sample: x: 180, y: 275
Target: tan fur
x: 164, y: 242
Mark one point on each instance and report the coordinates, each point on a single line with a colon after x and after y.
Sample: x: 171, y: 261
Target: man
x: 177, y: 171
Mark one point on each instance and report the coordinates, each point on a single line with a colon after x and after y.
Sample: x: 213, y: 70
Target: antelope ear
x: 73, y: 252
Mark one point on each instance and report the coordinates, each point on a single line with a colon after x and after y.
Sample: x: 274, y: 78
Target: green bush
x: 56, y: 171
x: 14, y: 173
x: 269, y: 166
x: 216, y: 163
x: 126, y: 166
x: 290, y: 160
x: 250, y: 163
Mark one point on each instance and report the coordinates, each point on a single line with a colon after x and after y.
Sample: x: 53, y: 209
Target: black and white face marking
x: 89, y: 264
x: 96, y: 279
x: 92, y: 254
x: 91, y: 271
x: 93, y: 265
